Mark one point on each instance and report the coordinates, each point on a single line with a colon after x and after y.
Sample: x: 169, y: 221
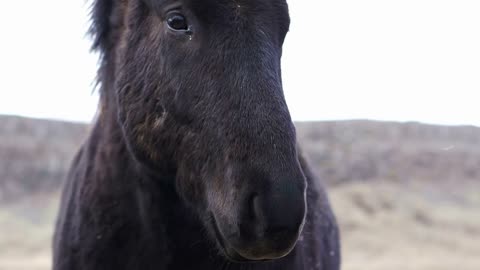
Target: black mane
x: 102, y: 23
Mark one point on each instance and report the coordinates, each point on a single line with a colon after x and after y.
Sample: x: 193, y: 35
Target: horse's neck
x: 114, y: 170
x: 148, y: 203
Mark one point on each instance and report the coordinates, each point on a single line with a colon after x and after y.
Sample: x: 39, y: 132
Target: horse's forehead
x: 234, y: 2
x: 263, y: 12
x: 243, y: 4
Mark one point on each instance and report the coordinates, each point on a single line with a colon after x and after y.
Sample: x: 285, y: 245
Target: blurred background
x: 385, y: 95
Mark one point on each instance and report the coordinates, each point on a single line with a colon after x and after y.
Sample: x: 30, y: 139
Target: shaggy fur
x: 189, y: 126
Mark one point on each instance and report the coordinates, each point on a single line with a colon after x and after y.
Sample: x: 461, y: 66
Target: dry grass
x: 384, y: 226
x: 26, y: 233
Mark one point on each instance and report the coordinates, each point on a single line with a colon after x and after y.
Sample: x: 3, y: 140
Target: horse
x: 192, y: 161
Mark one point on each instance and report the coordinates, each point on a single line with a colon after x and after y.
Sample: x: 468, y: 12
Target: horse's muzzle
x: 269, y: 224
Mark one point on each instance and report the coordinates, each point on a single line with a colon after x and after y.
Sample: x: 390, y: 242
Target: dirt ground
x: 384, y: 226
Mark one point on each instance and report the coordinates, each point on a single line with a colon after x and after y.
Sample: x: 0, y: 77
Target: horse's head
x: 198, y: 88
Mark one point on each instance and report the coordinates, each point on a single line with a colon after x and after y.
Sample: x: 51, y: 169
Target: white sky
x: 402, y: 60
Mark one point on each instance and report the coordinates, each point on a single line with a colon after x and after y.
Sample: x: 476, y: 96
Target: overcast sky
x: 405, y: 60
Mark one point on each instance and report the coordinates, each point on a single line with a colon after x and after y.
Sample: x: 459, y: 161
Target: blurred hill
x: 401, y: 152
x: 406, y: 195
x: 35, y: 154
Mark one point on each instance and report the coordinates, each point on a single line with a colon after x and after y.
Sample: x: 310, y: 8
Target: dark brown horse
x: 193, y: 160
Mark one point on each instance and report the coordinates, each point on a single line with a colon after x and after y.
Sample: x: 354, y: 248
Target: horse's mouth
x: 229, y: 252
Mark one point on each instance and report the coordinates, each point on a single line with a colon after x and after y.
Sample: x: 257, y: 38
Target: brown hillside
x: 367, y: 150
x: 35, y: 154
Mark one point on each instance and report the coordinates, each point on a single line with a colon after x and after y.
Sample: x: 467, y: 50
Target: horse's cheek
x: 190, y: 189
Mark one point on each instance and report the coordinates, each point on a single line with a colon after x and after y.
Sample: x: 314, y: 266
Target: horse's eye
x: 177, y: 22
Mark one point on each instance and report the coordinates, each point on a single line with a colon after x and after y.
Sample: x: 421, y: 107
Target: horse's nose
x: 278, y: 213
x: 276, y: 219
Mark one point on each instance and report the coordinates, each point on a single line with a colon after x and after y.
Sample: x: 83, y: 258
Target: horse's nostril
x: 276, y: 230
x: 270, y: 216
x: 255, y: 209
x: 270, y: 223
